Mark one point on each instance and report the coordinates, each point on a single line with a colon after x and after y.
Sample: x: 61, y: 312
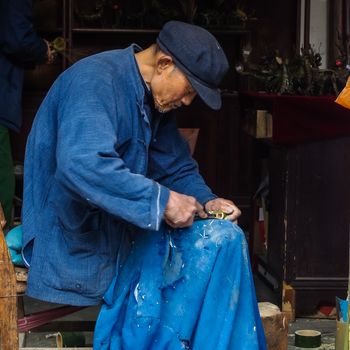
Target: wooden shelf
x: 52, y: 31
x: 115, y: 30
x: 152, y: 31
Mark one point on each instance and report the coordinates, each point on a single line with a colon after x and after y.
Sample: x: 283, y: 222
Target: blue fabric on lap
x: 185, y: 288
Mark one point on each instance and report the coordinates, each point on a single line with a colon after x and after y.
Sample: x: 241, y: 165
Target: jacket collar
x: 135, y: 76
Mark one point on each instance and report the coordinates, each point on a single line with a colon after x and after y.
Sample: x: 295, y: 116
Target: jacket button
x: 78, y: 286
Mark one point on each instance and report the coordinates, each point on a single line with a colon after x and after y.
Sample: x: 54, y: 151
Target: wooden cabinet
x: 308, y: 237
x: 308, y: 204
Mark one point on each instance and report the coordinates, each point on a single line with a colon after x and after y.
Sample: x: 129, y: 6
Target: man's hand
x: 181, y: 209
x: 226, y: 206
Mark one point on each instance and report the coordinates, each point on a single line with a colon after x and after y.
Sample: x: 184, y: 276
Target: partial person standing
x: 20, y: 48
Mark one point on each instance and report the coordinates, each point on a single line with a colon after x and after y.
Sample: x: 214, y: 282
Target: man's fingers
x: 227, y: 206
x: 200, y: 211
x: 234, y: 213
x: 233, y: 217
x: 180, y: 210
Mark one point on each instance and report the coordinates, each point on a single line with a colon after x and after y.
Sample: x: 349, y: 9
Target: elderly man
x: 109, y: 183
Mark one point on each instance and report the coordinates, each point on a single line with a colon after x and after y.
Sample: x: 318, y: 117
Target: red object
x: 301, y: 118
x: 326, y: 309
x: 42, y: 317
x: 338, y: 63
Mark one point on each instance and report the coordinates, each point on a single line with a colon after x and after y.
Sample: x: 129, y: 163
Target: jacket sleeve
x: 172, y: 165
x: 18, y: 39
x: 88, y: 163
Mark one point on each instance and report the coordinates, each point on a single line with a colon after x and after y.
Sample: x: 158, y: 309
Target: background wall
x: 276, y: 26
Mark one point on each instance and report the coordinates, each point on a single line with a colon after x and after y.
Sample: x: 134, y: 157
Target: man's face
x: 171, y: 89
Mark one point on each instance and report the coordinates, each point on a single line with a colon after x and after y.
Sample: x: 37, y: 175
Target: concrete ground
x: 327, y: 327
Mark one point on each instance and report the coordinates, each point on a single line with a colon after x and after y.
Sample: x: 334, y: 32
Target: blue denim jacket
x: 95, y: 172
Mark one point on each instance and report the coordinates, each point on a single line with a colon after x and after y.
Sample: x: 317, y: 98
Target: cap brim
x: 210, y: 96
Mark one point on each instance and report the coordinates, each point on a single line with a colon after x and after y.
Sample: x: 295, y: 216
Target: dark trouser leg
x: 7, y: 178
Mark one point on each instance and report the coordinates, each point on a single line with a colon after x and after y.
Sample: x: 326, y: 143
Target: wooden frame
x: 305, y: 23
x: 12, y: 287
x: 8, y: 295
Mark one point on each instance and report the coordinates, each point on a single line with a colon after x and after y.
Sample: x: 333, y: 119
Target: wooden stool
x: 8, y: 295
x: 12, y: 287
x: 275, y: 326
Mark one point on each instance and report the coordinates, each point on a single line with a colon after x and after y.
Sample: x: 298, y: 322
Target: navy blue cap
x: 197, y: 53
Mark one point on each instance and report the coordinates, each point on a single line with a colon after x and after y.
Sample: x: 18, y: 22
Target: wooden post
x: 288, y: 302
x: 8, y: 297
x: 275, y: 326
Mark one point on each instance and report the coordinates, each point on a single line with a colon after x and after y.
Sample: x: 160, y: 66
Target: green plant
x: 299, y: 75
x: 224, y: 14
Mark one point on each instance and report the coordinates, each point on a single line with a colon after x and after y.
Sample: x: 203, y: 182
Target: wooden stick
x: 8, y: 305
